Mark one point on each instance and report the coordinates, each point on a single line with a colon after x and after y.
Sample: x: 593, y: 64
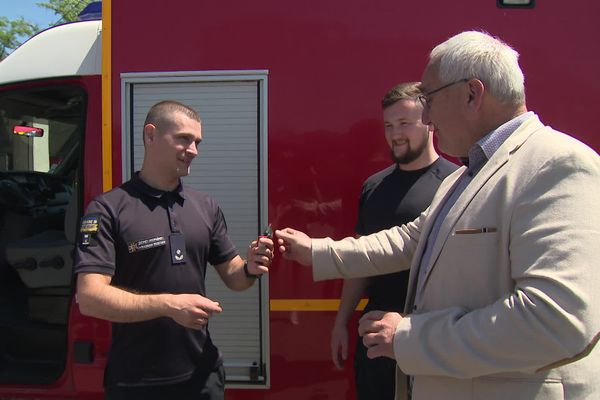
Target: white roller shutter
x: 230, y: 168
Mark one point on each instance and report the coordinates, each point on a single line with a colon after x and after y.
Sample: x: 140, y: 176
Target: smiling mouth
x: 185, y: 166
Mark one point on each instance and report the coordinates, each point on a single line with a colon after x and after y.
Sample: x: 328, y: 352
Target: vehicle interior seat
x: 44, y: 263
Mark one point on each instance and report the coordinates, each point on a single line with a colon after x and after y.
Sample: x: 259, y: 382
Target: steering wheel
x: 12, y: 194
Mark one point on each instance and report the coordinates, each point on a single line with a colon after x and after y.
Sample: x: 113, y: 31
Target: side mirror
x: 28, y: 131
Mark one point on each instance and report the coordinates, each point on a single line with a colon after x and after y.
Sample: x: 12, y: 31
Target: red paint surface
x: 329, y: 64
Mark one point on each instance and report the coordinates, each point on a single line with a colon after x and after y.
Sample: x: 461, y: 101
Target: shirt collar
x: 148, y: 190
x: 485, y: 147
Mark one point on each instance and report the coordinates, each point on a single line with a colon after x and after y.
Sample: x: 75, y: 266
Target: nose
x: 395, y: 131
x: 192, y: 149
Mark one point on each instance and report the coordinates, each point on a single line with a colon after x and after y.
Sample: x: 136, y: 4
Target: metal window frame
x: 128, y: 80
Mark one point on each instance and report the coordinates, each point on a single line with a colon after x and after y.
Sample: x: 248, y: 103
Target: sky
x: 28, y: 9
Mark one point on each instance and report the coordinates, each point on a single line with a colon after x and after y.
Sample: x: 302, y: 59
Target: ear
x: 149, y: 133
x: 476, y: 90
x: 430, y: 130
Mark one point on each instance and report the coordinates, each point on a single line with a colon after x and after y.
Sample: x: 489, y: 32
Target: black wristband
x: 248, y: 274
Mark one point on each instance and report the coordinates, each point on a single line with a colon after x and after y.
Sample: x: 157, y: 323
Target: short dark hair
x: 402, y: 91
x: 160, y: 114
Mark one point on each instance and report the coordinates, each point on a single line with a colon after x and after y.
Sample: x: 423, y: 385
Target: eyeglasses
x: 425, y: 98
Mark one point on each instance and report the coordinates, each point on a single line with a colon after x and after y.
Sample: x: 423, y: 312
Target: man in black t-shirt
x: 141, y: 262
x: 393, y: 196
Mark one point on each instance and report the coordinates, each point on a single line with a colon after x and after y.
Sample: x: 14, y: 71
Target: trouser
x: 201, y: 386
x: 375, y: 378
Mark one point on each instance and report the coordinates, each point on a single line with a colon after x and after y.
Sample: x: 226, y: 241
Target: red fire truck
x: 289, y: 97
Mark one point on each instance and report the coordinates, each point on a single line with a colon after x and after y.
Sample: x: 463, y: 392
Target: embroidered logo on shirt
x: 90, y: 223
x: 146, y: 244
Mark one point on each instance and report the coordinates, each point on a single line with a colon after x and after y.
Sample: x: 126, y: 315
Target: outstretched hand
x: 295, y: 245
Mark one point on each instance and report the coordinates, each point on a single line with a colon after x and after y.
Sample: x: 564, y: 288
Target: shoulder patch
x: 90, y: 223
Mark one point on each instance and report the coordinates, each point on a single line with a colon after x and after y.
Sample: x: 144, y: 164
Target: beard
x: 411, y: 154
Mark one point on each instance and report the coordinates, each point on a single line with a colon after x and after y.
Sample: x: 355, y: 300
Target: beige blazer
x: 506, y: 312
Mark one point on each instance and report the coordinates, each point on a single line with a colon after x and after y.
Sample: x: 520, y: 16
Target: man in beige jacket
x: 502, y: 299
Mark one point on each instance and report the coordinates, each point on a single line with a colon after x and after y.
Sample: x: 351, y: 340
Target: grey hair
x: 474, y: 54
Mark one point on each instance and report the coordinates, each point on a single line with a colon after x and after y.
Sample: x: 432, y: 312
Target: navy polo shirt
x: 395, y: 197
x: 152, y: 241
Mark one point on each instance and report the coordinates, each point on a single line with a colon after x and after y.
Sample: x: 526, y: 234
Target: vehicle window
x: 41, y: 131
x: 58, y: 111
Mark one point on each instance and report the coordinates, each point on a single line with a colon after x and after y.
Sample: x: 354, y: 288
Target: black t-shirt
x: 152, y: 241
x: 389, y: 198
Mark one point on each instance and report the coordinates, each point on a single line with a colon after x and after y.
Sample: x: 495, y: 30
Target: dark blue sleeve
x: 222, y: 248
x: 95, y: 249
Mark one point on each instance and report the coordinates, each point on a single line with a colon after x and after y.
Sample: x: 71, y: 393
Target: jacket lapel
x: 446, y: 187
x: 498, y: 159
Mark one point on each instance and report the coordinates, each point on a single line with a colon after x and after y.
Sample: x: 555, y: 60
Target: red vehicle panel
x: 329, y: 64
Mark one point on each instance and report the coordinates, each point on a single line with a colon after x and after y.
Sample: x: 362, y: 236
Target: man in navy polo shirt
x: 141, y: 263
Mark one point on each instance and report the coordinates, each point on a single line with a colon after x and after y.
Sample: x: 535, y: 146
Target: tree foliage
x: 67, y: 10
x: 14, y: 32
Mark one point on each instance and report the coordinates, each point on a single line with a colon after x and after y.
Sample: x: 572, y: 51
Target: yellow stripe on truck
x: 106, y: 97
x: 310, y: 304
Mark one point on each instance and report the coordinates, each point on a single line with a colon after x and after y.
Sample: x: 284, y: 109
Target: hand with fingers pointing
x: 192, y: 310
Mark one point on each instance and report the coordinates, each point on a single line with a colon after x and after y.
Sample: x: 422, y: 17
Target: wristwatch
x: 248, y: 274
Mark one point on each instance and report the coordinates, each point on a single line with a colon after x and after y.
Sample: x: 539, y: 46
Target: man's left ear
x: 476, y: 90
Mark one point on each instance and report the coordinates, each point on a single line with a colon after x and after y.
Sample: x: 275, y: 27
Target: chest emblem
x: 146, y: 244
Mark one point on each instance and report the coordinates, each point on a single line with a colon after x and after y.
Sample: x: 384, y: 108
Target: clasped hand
x: 260, y: 255
x: 377, y: 329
